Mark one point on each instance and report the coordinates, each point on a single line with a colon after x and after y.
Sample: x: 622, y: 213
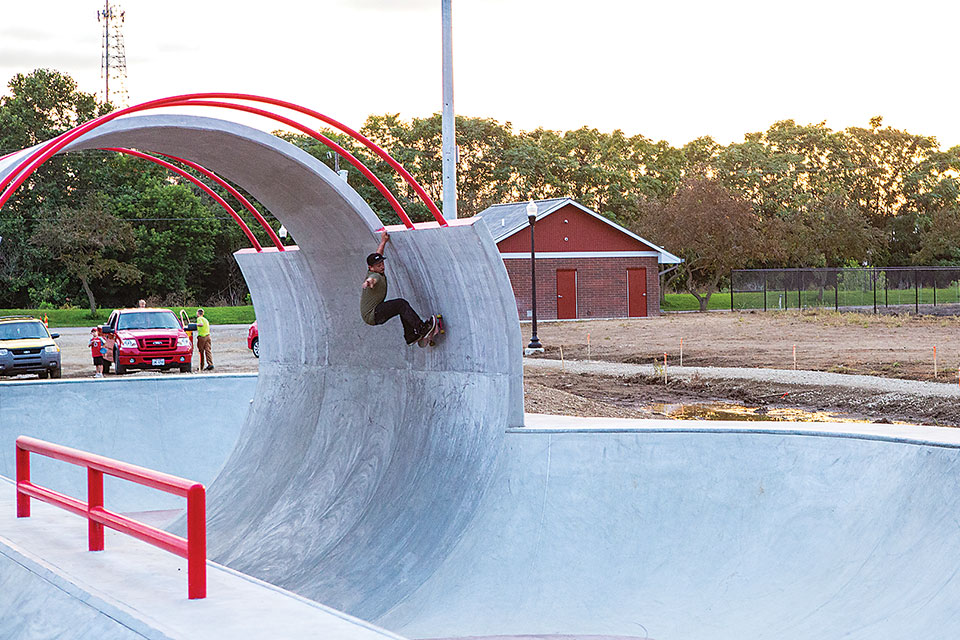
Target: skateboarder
x: 375, y: 309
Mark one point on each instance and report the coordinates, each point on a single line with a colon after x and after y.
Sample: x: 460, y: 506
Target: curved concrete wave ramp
x: 331, y: 488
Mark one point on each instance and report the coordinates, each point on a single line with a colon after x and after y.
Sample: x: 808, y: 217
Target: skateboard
x: 431, y: 337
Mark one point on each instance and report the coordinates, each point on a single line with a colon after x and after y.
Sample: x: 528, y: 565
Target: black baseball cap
x: 374, y: 258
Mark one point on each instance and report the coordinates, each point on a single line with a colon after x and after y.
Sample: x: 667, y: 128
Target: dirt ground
x: 889, y: 346
x: 893, y: 346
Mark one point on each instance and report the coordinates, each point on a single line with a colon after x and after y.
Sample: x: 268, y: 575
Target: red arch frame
x: 16, y: 178
x: 236, y: 194
x: 210, y: 192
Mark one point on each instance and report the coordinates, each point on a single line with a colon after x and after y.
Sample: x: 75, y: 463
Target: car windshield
x: 22, y: 330
x: 148, y: 320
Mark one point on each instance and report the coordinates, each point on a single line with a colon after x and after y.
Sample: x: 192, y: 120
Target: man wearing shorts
x: 97, y: 350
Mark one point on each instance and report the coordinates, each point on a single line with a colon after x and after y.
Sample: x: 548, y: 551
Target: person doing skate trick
x: 375, y: 309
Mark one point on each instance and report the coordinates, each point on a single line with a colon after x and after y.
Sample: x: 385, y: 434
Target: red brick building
x: 587, y: 265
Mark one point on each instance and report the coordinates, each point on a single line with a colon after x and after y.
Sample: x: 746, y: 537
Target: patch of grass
x: 686, y: 302
x: 82, y: 317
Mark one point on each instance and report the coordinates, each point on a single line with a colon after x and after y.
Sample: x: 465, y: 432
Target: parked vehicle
x: 147, y: 339
x: 27, y: 347
x: 253, y: 339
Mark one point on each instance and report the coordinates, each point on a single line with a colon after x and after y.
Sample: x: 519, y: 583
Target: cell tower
x: 113, y: 63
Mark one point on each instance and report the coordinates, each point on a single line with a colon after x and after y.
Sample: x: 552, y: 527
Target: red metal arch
x: 47, y: 150
x: 236, y: 194
x: 394, y: 203
x: 210, y: 192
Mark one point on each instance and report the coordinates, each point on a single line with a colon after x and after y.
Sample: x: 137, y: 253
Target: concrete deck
x: 52, y: 587
x: 400, y: 485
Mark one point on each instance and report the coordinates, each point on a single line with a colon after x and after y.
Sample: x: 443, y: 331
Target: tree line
x: 95, y: 228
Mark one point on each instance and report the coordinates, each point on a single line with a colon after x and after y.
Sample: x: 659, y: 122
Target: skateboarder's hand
x: 384, y: 237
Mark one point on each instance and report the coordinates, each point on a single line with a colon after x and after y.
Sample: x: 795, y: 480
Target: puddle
x: 729, y: 411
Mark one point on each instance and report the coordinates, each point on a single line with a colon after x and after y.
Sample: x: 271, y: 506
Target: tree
x: 940, y: 241
x: 81, y: 240
x: 40, y: 105
x: 710, y: 229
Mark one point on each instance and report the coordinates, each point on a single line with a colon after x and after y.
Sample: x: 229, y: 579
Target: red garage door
x: 637, y: 293
x: 566, y: 293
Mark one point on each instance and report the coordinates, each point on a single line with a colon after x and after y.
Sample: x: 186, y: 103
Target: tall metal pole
x: 534, y: 346
x: 448, y: 119
x: 106, y: 49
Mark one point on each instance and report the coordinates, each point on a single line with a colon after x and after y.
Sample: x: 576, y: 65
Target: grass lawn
x: 686, y: 302
x: 82, y: 317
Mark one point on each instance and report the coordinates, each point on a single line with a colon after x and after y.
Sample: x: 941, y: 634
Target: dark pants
x: 412, y: 323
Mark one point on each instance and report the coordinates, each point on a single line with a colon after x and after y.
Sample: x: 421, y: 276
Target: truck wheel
x: 185, y: 368
x: 55, y: 373
x: 42, y: 375
x: 256, y: 347
x: 120, y: 368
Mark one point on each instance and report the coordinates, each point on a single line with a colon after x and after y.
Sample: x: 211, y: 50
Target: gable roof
x: 505, y: 220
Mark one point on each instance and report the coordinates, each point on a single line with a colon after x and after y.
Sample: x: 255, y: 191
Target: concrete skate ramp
x: 361, y: 459
x: 178, y: 424
x: 725, y: 531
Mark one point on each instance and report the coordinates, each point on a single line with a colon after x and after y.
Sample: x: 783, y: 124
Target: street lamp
x: 534, y: 346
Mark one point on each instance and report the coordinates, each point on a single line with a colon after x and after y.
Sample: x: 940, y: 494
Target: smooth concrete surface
x: 400, y: 485
x: 682, y: 530
x: 664, y: 529
x: 51, y: 587
x: 185, y: 425
x: 332, y: 489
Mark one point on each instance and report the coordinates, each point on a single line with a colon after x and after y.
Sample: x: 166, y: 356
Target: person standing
x: 97, y: 350
x: 204, y: 347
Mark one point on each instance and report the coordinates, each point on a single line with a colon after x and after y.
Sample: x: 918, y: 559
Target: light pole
x: 534, y: 346
x: 448, y: 126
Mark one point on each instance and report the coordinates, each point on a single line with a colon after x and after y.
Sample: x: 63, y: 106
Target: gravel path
x: 784, y: 376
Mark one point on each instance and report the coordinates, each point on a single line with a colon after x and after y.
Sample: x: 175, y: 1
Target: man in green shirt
x: 204, y: 347
x: 376, y: 309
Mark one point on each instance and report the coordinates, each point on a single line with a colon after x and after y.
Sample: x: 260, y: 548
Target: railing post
x: 799, y: 298
x: 94, y: 500
x: 764, y: 291
x: 197, y: 542
x: 836, y: 290
x: 916, y: 291
x: 23, y: 475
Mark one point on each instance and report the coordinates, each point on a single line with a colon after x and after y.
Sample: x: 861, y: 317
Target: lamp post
x: 534, y: 346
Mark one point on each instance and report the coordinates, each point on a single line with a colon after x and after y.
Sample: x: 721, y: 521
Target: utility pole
x: 113, y: 61
x: 448, y: 118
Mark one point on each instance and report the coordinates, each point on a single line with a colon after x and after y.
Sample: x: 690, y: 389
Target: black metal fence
x: 853, y: 289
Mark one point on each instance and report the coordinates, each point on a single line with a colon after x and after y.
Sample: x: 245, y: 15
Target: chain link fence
x: 927, y: 289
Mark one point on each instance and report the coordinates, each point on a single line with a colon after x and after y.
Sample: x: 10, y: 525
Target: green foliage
x: 813, y: 197
x: 87, y: 242
x: 56, y: 318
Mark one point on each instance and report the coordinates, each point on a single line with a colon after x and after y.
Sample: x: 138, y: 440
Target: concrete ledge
x: 902, y: 434
x: 54, y: 588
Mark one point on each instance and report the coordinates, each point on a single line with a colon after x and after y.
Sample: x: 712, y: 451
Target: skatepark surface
x: 610, y: 527
x: 405, y: 487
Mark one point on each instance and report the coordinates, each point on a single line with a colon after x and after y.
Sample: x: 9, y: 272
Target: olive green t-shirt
x: 370, y: 298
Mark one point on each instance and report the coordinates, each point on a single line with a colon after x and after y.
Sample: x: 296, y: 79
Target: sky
x: 670, y: 70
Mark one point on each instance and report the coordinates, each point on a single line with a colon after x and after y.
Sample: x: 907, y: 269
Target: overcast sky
x: 672, y: 70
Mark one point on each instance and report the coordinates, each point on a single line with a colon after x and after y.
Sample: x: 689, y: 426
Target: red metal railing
x: 193, y: 548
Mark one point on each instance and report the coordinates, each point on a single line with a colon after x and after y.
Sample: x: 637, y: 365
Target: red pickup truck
x: 147, y: 339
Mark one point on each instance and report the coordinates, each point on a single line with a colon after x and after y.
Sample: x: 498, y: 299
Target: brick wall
x: 601, y: 285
